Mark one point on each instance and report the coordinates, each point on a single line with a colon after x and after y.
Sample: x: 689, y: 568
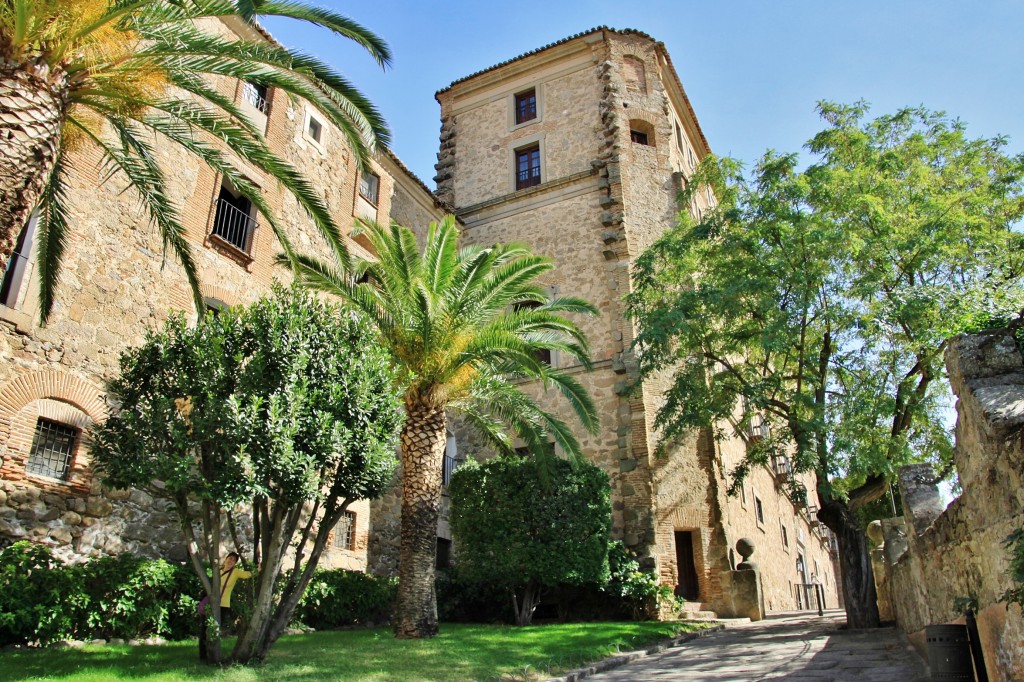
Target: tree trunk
x: 527, y: 605
x: 855, y: 563
x: 33, y: 103
x: 423, y: 442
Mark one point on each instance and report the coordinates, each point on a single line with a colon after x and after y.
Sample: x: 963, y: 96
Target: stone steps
x: 687, y: 614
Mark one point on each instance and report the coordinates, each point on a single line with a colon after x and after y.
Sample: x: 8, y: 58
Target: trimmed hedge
x: 337, y: 597
x: 44, y: 600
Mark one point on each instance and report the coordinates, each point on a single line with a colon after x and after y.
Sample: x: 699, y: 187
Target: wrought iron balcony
x: 234, y: 226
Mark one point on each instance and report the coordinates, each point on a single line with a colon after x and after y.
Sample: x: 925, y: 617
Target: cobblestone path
x: 794, y: 647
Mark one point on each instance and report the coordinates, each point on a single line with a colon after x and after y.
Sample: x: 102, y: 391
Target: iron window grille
x: 53, y: 447
x: 448, y: 466
x: 345, y: 532
x: 256, y: 95
x: 232, y: 222
x: 780, y: 465
x: 528, y: 167
x: 526, y: 106
x: 369, y: 187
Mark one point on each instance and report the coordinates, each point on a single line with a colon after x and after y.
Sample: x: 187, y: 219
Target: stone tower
x: 579, y: 149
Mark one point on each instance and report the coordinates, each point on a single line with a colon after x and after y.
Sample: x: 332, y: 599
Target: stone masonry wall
x: 959, y: 552
x: 116, y: 284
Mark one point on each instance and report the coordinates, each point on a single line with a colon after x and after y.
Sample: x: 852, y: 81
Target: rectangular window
x: 637, y: 137
x: 17, y: 266
x: 233, y: 222
x: 542, y: 355
x: 526, y: 106
x: 369, y: 187
x: 448, y: 465
x: 53, y: 446
x: 759, y: 510
x: 679, y: 138
x: 444, y: 554
x: 314, y: 129
x: 528, y: 167
x: 785, y: 537
x: 256, y: 95
x: 345, y: 532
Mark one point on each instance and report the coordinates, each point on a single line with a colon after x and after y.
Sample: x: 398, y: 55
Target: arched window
x: 641, y: 132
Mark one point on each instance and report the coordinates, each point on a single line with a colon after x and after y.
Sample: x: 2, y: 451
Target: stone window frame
x: 221, y: 245
x: 511, y: 98
x: 519, y: 145
x: 308, y: 115
x: 759, y: 512
x: 26, y: 299
x: 257, y: 116
x: 785, y: 536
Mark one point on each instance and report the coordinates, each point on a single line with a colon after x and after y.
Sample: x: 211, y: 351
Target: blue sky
x: 753, y: 69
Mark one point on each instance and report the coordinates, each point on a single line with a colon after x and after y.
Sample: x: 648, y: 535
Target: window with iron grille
x: 53, y: 447
x: 528, y: 167
x: 369, y: 187
x: 345, y: 532
x: 256, y: 95
x: 526, y: 106
x: 448, y: 465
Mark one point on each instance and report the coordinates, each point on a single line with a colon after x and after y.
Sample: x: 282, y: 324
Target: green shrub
x: 336, y: 597
x: 43, y: 600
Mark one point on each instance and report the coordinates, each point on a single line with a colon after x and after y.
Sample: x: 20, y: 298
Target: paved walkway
x: 797, y: 647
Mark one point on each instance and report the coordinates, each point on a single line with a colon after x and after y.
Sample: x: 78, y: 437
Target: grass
x: 460, y: 652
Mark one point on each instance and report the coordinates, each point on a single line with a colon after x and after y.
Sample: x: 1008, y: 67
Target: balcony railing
x: 780, y: 466
x: 529, y: 177
x: 234, y: 225
x: 448, y: 465
x: 255, y: 96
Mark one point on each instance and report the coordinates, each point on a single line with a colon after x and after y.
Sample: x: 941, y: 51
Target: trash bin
x: 949, y: 653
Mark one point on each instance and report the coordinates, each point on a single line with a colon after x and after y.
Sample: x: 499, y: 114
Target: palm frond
x: 53, y: 236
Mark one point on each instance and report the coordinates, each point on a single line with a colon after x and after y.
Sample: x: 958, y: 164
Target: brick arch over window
x: 55, y: 395
x: 212, y: 292
x: 54, y: 385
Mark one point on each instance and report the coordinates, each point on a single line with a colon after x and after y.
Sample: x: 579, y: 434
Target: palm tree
x: 109, y: 73
x: 462, y: 326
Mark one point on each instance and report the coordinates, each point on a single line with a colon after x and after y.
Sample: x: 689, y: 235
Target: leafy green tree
x: 821, y: 300
x: 286, y: 410
x: 108, y: 74
x: 526, y: 528
x: 460, y: 324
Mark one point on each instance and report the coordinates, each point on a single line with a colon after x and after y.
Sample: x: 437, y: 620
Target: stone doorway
x: 687, y: 583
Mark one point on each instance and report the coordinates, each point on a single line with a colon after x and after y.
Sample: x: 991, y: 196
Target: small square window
x: 53, y: 447
x: 528, y: 167
x: 526, y: 106
x: 345, y: 532
x: 637, y: 137
x: 759, y: 510
x: 314, y: 129
x: 369, y: 187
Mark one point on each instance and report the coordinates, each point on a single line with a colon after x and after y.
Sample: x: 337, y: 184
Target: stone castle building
x: 578, y: 149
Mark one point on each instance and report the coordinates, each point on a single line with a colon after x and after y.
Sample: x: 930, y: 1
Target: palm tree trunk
x: 423, y: 441
x: 33, y: 104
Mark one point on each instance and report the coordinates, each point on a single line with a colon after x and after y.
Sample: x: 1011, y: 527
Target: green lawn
x: 461, y: 652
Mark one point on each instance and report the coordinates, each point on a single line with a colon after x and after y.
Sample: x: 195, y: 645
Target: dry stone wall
x: 935, y: 557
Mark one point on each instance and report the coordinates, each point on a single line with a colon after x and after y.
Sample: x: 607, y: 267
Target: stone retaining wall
x: 960, y: 552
